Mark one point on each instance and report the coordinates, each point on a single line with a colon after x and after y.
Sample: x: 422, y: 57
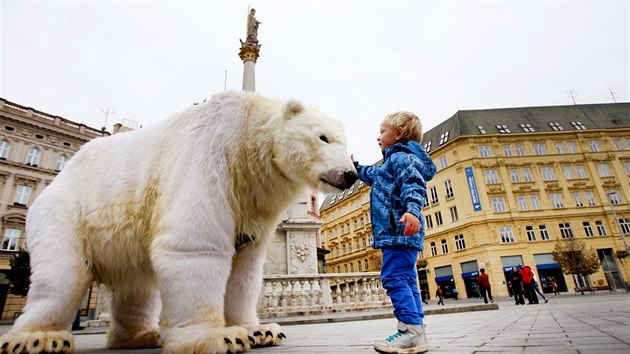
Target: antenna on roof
x: 107, y: 112
x: 612, y: 93
x: 225, y: 81
x: 572, y: 94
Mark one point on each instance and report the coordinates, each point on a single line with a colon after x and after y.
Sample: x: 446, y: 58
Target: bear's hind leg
x: 134, y: 319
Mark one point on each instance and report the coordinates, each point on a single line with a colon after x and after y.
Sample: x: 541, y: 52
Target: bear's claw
x: 266, y: 335
x: 37, y: 342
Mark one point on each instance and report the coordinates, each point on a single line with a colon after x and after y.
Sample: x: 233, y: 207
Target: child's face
x: 389, y: 136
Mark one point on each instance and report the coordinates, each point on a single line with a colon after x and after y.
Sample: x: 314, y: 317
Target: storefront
x: 508, y: 262
x: 470, y: 272
x: 548, y: 271
x: 444, y: 279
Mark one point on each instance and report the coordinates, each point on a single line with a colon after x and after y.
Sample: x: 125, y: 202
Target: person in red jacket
x: 484, y: 286
x: 528, y: 284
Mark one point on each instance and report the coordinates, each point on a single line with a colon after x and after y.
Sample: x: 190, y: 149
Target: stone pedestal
x: 249, y: 53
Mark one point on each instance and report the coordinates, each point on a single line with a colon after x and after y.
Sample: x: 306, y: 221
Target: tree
x: 575, y: 258
x: 20, y: 273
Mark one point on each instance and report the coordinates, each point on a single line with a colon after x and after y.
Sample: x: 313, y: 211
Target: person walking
x: 484, y: 285
x: 440, y: 295
x: 527, y: 277
x: 536, y: 288
x: 516, y: 285
x: 554, y: 287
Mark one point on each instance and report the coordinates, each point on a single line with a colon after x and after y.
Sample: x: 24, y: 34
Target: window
x: 11, y: 239
x: 531, y: 234
x: 618, y: 144
x: 361, y: 222
x: 365, y: 262
x: 502, y: 128
x: 454, y: 216
x: 434, y: 195
x: 593, y: 145
x: 349, y: 247
x: 444, y: 137
x: 568, y: 172
x: 544, y: 234
x: 540, y: 148
x: 438, y: 218
x: 565, y: 230
x: 433, y: 248
x: 332, y: 200
x: 556, y: 200
x: 625, y: 225
x: 588, y: 230
x: 444, y: 246
x: 571, y: 147
x: 22, y: 195
x: 590, y: 198
x: 522, y: 202
x: 604, y: 170
x: 364, y: 242
x: 32, y: 158
x: 449, y: 189
x: 520, y: 151
x: 548, y: 173
x: 442, y: 162
x: 481, y: 129
x: 345, y: 268
x: 626, y: 167
x: 613, y: 197
x: 527, y: 128
x: 356, y: 226
x: 507, y: 150
x: 429, y: 221
x: 427, y: 146
x: 533, y: 198
x: 578, y: 125
x: 577, y: 197
x: 357, y: 244
x: 343, y: 248
x: 527, y: 174
x: 460, y: 244
x: 485, y: 151
x: 506, y: 234
x: 581, y: 172
x: 492, y: 177
x: 359, y: 266
x: 601, y: 229
x: 555, y: 126
x: 343, y: 229
x: 559, y: 147
x: 498, y: 204
x: 514, y: 175
x: 4, y: 149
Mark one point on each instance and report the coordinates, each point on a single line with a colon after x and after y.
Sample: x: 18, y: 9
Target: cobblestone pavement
x: 598, y: 323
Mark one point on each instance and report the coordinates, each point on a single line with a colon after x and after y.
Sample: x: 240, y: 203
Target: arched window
x: 4, y: 149
x: 61, y: 162
x: 32, y: 158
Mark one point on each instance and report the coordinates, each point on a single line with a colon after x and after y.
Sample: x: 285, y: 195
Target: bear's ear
x: 292, y: 109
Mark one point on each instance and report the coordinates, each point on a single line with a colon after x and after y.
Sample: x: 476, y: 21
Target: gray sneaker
x: 410, y: 339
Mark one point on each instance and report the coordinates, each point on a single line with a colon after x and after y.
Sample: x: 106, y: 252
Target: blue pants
x: 399, y: 278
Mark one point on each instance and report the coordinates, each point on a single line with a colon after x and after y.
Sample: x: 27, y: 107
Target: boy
x: 397, y: 196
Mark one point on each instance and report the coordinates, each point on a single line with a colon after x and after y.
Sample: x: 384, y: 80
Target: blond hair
x: 409, y: 122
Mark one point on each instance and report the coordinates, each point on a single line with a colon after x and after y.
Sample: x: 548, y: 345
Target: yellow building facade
x: 510, y: 184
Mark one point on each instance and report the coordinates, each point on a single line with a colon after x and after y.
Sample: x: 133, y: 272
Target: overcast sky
x: 355, y: 60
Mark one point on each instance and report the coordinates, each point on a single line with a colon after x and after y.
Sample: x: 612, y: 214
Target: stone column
x: 249, y: 53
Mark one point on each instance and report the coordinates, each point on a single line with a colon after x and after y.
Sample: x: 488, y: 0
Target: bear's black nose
x: 350, y: 177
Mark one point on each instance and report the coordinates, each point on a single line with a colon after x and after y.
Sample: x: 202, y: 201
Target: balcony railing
x: 296, y: 295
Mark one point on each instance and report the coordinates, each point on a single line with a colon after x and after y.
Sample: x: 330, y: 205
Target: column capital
x: 249, y: 51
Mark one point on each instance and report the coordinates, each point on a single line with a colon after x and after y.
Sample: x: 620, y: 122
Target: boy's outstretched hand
x: 413, y: 224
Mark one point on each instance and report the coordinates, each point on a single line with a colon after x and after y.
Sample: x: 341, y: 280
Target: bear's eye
x: 323, y: 138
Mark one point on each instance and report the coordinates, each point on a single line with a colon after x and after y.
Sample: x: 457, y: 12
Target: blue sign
x: 470, y: 274
x: 473, y: 189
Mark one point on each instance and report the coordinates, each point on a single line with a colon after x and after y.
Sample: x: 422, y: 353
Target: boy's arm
x: 366, y: 173
x: 413, y: 191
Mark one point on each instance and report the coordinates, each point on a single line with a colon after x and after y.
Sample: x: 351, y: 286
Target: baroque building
x: 34, y: 147
x: 510, y: 184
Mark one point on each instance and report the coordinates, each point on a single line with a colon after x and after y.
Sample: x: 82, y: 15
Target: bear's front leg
x: 192, y: 289
x: 242, y: 293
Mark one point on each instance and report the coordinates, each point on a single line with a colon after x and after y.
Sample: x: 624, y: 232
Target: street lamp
x: 623, y: 237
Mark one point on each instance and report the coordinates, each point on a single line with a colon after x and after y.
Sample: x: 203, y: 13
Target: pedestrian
x: 76, y: 325
x: 454, y: 292
x: 397, y: 195
x: 536, y: 288
x: 516, y: 285
x: 440, y: 295
x: 484, y: 285
x: 528, y: 286
x: 554, y: 287
x: 425, y: 297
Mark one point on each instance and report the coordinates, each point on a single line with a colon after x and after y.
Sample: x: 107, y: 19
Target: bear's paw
x: 267, y: 335
x: 136, y: 340
x: 37, y: 342
x: 196, y: 340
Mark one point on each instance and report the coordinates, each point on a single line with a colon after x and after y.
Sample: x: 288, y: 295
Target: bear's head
x: 310, y: 149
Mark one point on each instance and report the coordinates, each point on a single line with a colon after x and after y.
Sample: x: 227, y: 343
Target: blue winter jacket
x: 398, y: 187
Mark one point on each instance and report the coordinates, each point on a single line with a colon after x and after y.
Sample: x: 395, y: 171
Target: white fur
x: 153, y: 214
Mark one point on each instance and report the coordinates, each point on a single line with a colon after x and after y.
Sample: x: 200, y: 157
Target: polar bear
x: 175, y: 219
